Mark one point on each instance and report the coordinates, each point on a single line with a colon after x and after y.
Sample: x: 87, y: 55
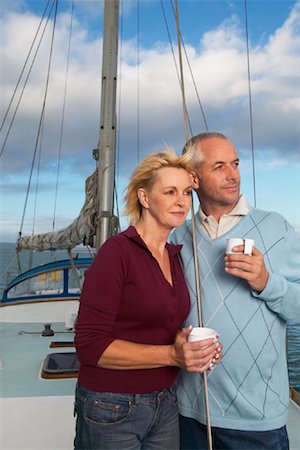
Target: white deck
x: 37, y: 414
x: 37, y: 423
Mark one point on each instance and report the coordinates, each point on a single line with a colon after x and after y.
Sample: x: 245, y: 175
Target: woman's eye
x: 188, y: 193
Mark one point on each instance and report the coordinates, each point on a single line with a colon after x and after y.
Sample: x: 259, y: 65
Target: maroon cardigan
x: 126, y: 296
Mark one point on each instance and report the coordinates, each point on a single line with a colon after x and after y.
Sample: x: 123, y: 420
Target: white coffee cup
x: 201, y: 333
x: 233, y: 242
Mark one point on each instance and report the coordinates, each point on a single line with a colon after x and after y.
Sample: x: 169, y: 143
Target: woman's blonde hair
x: 144, y: 176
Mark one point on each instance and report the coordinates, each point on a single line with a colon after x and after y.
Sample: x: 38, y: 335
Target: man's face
x: 218, y: 174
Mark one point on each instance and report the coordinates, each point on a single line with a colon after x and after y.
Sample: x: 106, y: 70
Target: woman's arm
x: 191, y: 356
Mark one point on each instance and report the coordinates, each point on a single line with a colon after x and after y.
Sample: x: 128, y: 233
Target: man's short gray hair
x: 193, y: 147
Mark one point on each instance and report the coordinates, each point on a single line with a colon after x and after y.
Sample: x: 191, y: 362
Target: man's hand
x: 249, y: 267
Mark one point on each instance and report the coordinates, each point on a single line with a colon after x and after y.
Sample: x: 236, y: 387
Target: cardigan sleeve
x: 282, y: 292
x: 99, y: 302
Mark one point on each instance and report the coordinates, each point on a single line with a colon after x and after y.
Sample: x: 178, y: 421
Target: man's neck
x: 217, y: 210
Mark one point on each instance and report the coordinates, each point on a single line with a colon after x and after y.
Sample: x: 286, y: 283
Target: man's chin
x: 231, y: 200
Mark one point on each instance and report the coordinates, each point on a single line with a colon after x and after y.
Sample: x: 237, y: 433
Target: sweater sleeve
x: 99, y: 302
x: 282, y: 292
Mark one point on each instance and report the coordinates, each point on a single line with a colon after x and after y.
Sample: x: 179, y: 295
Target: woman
x: 134, y: 300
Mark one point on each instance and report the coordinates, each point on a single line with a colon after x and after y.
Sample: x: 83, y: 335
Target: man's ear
x: 195, y: 179
x: 143, y: 197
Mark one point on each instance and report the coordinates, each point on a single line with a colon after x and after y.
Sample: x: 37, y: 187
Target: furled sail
x: 81, y: 231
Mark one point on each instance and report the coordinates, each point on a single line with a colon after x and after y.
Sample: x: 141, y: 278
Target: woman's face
x: 170, y: 197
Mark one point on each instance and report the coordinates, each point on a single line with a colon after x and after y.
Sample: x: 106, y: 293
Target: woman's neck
x: 154, y: 237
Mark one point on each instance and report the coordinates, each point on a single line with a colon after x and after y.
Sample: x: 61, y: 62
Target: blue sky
x: 214, y: 37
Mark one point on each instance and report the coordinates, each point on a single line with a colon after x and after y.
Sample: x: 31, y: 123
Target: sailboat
x: 38, y: 310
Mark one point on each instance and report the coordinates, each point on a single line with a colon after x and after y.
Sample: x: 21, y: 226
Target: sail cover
x: 80, y: 231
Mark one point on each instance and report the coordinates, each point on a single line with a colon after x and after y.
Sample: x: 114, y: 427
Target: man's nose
x: 231, y: 172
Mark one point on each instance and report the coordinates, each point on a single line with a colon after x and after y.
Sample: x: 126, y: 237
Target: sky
x: 149, y: 113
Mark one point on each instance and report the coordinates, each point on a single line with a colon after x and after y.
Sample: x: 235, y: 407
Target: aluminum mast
x: 105, y: 153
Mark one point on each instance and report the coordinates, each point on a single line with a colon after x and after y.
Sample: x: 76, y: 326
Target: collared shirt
x: 215, y: 229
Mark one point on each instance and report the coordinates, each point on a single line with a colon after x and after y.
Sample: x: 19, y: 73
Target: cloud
x: 276, y: 163
x: 219, y: 67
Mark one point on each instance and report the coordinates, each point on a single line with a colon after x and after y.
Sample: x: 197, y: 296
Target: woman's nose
x: 180, y: 200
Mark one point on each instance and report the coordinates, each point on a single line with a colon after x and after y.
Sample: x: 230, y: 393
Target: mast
x: 105, y: 154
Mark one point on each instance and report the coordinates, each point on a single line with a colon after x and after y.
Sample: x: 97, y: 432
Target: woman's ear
x: 195, y: 179
x: 143, y: 198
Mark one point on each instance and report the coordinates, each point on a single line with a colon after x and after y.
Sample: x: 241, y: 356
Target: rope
x: 62, y: 118
x: 40, y: 123
x: 138, y: 81
x: 250, y: 103
x: 181, y: 75
x: 196, y: 262
x: 23, y: 68
x: 26, y: 80
x: 193, y: 79
x: 71, y: 259
x: 173, y: 54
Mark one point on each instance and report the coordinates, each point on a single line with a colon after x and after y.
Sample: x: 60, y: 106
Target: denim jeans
x: 115, y: 421
x: 193, y: 437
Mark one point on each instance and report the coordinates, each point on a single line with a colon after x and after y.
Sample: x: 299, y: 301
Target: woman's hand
x: 195, y: 356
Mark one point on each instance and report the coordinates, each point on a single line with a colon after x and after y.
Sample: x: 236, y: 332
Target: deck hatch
x: 60, y: 365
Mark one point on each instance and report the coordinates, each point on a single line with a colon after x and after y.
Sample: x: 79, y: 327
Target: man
x: 247, y: 298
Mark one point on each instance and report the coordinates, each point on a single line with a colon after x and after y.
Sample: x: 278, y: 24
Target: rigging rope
x: 26, y: 79
x: 63, y: 117
x: 138, y: 82
x: 193, y: 78
x: 173, y: 54
x: 250, y: 102
x: 181, y: 76
x: 195, y: 250
x: 40, y: 122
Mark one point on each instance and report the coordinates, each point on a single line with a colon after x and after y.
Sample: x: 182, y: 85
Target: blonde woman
x: 133, y: 303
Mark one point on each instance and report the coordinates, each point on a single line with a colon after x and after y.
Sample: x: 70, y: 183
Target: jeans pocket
x: 107, y: 412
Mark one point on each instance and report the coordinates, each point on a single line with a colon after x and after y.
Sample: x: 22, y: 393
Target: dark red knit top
x: 126, y: 296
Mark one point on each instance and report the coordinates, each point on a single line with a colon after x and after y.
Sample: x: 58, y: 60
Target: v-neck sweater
x: 249, y: 389
x: 126, y: 296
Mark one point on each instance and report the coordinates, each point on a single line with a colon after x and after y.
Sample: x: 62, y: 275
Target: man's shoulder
x: 269, y: 217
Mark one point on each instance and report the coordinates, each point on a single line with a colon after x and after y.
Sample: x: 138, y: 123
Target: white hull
x: 35, y: 413
x: 37, y: 423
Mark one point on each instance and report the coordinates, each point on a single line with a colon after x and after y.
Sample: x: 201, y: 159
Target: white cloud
x: 219, y: 67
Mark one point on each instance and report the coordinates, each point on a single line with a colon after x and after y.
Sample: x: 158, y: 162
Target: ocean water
x: 9, y: 269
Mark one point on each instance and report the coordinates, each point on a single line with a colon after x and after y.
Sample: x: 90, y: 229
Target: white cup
x: 233, y: 242
x: 201, y: 333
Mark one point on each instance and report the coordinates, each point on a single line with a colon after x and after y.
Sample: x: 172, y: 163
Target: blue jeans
x: 193, y: 437
x: 115, y: 421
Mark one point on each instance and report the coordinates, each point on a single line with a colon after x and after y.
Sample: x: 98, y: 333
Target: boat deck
x: 293, y: 425
x: 22, y: 374
x: 21, y: 377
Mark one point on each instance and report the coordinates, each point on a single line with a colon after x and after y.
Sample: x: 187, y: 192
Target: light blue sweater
x: 249, y: 390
